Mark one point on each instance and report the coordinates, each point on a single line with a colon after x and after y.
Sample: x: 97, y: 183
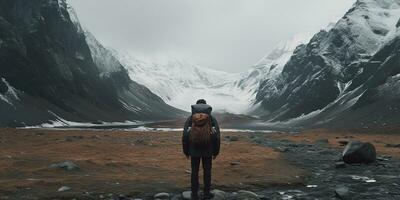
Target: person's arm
x: 217, y: 143
x: 185, y: 136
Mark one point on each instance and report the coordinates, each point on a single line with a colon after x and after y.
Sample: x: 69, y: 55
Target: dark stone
x: 393, y: 145
x: 382, y: 159
x: 343, y: 142
x: 67, y: 165
x: 342, y: 192
x: 282, y: 149
x: 73, y: 138
x: 322, y: 141
x: 234, y: 163
x: 325, y: 152
x: 359, y: 152
x: 233, y: 138
x: 340, y: 165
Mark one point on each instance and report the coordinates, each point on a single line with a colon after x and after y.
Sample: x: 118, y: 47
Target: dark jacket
x: 213, y: 148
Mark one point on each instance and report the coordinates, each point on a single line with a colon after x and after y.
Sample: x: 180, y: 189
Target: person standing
x: 201, y: 143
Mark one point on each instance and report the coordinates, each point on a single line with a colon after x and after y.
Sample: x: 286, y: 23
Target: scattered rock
x: 262, y: 197
x: 218, y: 194
x: 233, y: 138
x: 162, y: 195
x: 282, y: 149
x: 73, y: 138
x: 342, y: 192
x: 382, y: 158
x: 306, y: 140
x: 343, y: 142
x: 141, y: 142
x: 234, y: 163
x: 325, y: 152
x: 186, y: 195
x: 248, y: 195
x: 393, y: 145
x: 359, y: 152
x: 64, y: 188
x: 67, y: 165
x: 322, y: 141
x: 97, y: 137
x: 176, y: 197
x: 340, y: 164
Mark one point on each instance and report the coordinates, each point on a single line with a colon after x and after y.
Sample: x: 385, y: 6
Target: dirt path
x: 128, y: 163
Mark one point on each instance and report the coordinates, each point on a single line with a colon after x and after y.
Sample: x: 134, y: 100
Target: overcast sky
x: 228, y: 35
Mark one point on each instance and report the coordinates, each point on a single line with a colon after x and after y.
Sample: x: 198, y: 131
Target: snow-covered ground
x: 63, y: 123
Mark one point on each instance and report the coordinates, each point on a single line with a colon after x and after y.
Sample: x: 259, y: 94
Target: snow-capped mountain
x: 181, y: 83
x: 320, y: 77
x: 270, y: 67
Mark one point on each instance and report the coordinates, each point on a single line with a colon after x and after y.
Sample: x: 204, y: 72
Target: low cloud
x: 228, y: 35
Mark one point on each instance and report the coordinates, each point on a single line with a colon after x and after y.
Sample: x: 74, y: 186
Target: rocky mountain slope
x: 341, y: 74
x: 268, y: 69
x: 48, y: 73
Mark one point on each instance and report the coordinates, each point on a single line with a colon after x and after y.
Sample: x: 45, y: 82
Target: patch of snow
x: 102, y: 56
x: 370, y: 22
x: 149, y: 129
x: 62, y: 123
x: 363, y: 178
x: 10, y: 95
x: 130, y: 107
x: 74, y: 18
x: 61, y: 6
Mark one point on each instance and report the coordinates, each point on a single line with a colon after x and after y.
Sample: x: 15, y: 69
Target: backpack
x: 201, y: 130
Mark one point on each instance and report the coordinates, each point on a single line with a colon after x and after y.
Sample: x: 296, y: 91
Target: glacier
x: 180, y: 83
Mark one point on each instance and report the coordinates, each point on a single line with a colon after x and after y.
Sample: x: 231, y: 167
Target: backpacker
x: 201, y: 130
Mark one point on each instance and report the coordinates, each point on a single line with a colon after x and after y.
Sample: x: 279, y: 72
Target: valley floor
x: 117, y: 164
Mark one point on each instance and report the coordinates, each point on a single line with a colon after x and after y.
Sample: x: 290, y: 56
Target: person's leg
x: 195, y: 176
x: 207, y: 165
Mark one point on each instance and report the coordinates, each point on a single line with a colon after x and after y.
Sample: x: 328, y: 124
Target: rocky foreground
x: 122, y: 165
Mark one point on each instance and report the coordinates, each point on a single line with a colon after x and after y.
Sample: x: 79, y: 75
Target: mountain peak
x: 286, y: 47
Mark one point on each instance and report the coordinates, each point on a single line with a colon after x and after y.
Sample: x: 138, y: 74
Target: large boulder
x: 359, y: 152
